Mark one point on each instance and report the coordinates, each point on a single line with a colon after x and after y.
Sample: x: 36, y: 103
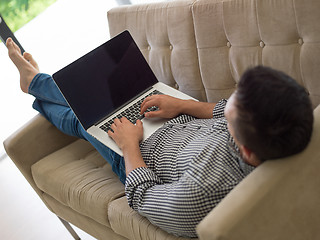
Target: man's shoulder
x: 218, y: 110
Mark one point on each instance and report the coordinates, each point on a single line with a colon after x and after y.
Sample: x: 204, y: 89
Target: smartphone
x: 5, y: 33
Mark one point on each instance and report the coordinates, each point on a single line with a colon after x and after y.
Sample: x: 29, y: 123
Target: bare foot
x: 27, y: 66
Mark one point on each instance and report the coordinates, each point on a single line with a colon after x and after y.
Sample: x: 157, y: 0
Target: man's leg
x: 25, y: 64
x: 49, y: 101
x: 51, y: 104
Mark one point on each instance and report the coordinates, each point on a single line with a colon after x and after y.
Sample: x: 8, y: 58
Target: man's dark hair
x: 274, y: 113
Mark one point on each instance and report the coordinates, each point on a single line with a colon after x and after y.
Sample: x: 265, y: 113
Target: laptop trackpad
x: 150, y: 125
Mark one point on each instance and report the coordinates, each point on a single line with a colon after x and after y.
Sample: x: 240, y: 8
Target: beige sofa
x: 202, y: 48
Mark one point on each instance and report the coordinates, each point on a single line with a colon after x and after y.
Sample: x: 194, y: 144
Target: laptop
x: 101, y: 86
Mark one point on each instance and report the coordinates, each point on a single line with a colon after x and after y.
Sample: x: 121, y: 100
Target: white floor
x: 65, y: 31
x: 23, y: 214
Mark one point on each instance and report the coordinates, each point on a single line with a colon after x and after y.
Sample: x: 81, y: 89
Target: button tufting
x: 262, y: 44
x: 171, y: 47
x: 300, y: 41
x: 149, y: 47
x: 228, y: 44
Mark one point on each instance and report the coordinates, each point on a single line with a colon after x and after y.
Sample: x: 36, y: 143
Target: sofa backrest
x: 232, y: 35
x: 165, y: 35
x: 203, y: 47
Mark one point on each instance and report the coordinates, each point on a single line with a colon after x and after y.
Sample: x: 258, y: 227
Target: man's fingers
x: 148, y: 104
x: 153, y: 114
x: 124, y: 120
x: 139, y: 123
x: 144, y: 105
x: 110, y: 133
x: 117, y: 121
x: 144, y: 102
x: 114, y: 125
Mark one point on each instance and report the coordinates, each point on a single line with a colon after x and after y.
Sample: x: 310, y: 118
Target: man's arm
x: 128, y: 136
x: 170, y: 107
x: 175, y: 207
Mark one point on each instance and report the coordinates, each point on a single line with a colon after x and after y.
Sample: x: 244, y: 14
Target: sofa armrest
x: 33, y: 141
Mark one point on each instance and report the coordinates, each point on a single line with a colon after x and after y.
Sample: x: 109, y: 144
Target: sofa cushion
x: 78, y: 177
x: 131, y: 225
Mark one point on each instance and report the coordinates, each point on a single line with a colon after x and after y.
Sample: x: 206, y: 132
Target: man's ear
x: 249, y: 156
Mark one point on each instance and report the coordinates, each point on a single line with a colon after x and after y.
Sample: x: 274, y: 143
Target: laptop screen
x: 105, y: 79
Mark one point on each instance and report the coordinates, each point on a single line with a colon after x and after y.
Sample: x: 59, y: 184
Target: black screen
x: 104, y: 79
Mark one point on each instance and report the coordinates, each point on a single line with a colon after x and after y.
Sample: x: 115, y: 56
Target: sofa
x: 201, y: 48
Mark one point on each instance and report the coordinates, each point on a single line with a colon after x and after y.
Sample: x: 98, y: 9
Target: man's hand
x: 169, y: 107
x: 126, y: 134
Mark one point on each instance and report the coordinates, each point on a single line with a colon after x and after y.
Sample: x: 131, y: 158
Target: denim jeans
x: 52, y: 105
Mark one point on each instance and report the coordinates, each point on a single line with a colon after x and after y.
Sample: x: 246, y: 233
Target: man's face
x: 230, y: 112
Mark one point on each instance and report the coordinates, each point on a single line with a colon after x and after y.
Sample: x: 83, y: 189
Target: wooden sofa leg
x: 70, y: 229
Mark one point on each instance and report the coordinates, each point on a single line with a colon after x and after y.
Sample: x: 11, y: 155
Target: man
x: 184, y: 169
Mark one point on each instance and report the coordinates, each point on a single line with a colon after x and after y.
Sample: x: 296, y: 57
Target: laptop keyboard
x: 132, y: 113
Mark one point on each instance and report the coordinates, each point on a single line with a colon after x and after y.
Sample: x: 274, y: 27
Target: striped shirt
x: 192, y: 165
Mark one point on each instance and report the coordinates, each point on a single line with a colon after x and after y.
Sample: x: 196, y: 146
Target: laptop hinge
x: 123, y: 105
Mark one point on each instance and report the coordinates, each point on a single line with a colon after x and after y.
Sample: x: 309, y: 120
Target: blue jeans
x: 52, y: 105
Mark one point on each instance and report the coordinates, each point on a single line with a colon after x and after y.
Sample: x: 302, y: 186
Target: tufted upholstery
x: 164, y: 33
x: 246, y: 33
x: 201, y: 47
x: 230, y: 36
